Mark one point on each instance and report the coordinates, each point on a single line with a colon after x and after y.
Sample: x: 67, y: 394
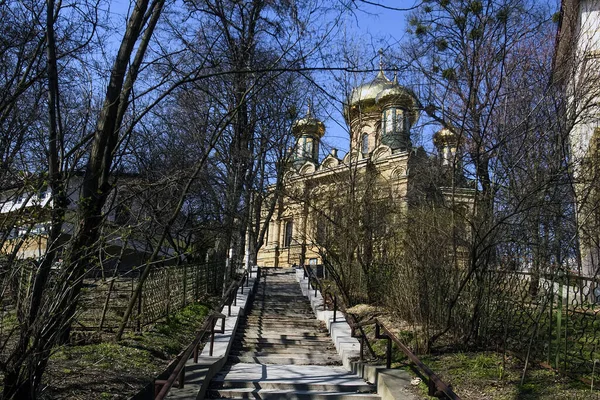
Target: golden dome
x: 445, y: 137
x: 308, y: 125
x: 367, y: 92
x: 374, y: 96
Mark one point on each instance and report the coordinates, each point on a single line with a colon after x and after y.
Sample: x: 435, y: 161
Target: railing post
x: 362, y: 346
x: 388, y: 355
x: 212, y: 337
x: 157, y: 387
x: 334, y: 308
x: 181, y: 378
x: 431, y: 387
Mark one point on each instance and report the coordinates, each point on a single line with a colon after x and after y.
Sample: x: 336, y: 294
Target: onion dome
x: 445, y: 137
x: 367, y: 92
x: 446, y: 142
x: 362, y: 98
x: 309, y: 125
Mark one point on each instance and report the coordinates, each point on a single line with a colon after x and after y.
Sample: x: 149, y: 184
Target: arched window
x: 394, y: 120
x: 289, y: 230
x: 365, y: 143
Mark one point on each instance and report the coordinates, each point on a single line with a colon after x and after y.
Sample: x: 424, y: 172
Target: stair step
x: 286, y: 324
x: 270, y: 351
x: 290, y: 331
x: 285, y: 344
x: 281, y: 318
x: 254, y: 335
x: 280, y: 360
x: 291, y: 394
x: 288, y: 374
x: 352, y: 386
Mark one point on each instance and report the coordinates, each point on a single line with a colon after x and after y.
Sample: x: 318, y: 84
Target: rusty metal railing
x: 177, y: 376
x: 436, y: 387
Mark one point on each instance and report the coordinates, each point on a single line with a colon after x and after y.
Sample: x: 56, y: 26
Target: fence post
x: 181, y: 378
x: 139, y: 310
x: 168, y: 291
x: 558, y: 320
x: 567, y: 319
x: 184, y: 303
x: 106, y: 303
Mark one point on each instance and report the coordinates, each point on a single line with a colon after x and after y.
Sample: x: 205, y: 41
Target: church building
x: 382, y: 172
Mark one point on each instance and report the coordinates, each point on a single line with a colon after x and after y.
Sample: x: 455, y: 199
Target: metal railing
x: 436, y: 387
x: 177, y: 376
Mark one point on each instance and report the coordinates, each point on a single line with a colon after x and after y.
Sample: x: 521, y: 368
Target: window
x: 289, y: 230
x: 365, y: 143
x: 394, y: 120
x: 308, y: 148
x: 299, y: 149
x: 390, y: 121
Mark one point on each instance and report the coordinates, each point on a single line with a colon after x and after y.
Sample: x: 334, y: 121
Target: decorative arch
x: 399, y: 173
x: 307, y: 168
x: 382, y: 152
x: 330, y: 162
x: 350, y: 157
x: 289, y: 175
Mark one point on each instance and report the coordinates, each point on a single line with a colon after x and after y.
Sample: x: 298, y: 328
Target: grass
x: 489, y: 375
x: 117, y: 370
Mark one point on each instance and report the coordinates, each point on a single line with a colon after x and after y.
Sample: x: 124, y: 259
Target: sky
x: 374, y: 23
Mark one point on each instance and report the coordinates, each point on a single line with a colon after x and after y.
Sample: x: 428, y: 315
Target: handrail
x: 207, y: 327
x: 436, y: 386
x: 354, y: 325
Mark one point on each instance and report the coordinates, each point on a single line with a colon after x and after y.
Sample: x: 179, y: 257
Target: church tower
x: 308, y: 132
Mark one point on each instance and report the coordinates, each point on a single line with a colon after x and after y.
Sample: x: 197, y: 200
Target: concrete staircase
x: 283, y: 352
